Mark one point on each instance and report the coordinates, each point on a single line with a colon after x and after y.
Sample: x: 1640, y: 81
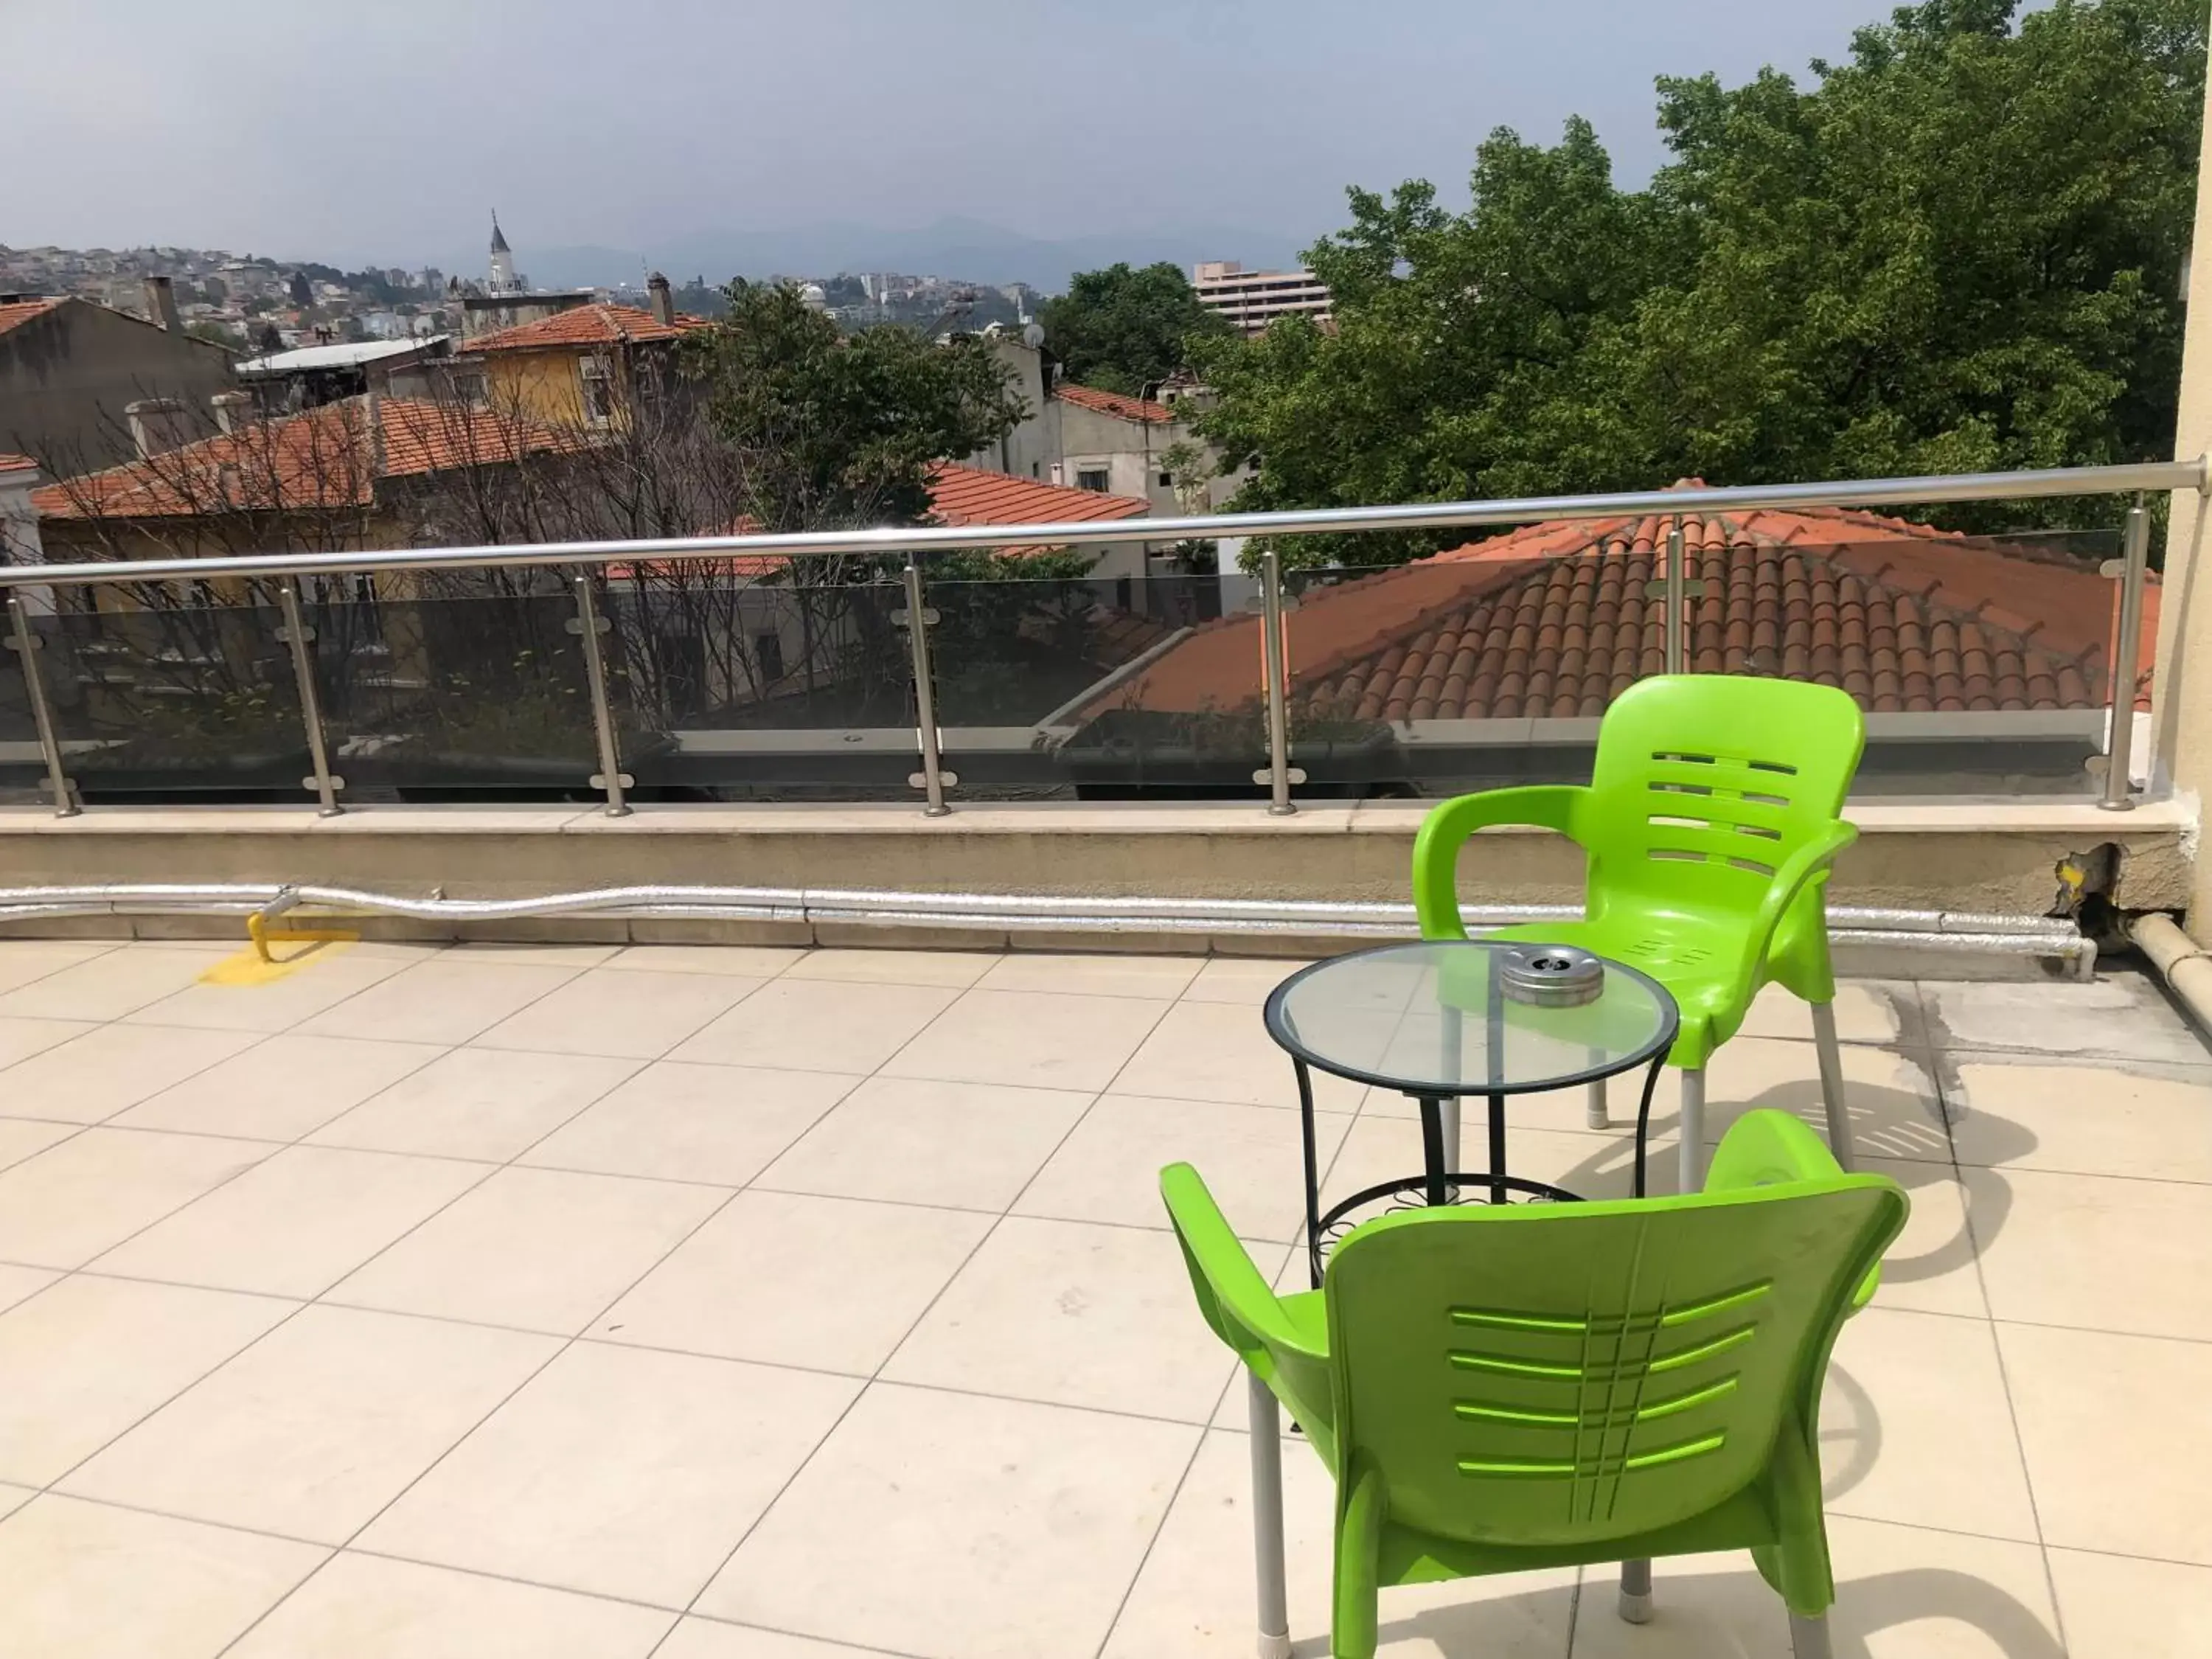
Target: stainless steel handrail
x: 1337, y: 520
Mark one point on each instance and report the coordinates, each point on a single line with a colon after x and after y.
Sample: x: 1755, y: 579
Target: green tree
x: 1122, y: 329
x: 1959, y: 249
x: 831, y: 429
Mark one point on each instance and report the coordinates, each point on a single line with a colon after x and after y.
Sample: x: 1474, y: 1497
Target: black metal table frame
x: 1436, y: 1181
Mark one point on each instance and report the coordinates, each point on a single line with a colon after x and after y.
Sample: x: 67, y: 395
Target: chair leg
x: 1268, y: 1520
x: 1808, y: 1637
x: 1636, y: 1591
x: 1691, y: 1151
x: 1832, y: 1082
x: 1594, y: 1114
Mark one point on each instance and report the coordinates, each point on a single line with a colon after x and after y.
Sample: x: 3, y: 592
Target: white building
x: 1254, y: 298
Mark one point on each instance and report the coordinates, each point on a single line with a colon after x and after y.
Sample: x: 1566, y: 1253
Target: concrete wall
x: 62, y: 372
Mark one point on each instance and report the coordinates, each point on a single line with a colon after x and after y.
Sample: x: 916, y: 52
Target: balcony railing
x: 703, y: 668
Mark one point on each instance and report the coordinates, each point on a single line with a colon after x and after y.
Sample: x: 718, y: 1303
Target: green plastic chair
x: 1502, y: 1388
x: 1710, y: 824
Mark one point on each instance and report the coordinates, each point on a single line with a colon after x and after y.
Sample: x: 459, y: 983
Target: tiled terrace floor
x: 753, y: 1305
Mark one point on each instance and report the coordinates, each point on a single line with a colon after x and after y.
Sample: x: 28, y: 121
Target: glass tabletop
x: 1442, y: 1018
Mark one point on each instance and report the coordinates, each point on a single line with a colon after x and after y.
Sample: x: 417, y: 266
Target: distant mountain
x: 964, y: 248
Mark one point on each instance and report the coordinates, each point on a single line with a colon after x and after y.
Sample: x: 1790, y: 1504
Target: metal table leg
x: 1312, y: 1171
x: 1497, y: 1147
x: 1644, y: 1118
x: 1433, y: 1167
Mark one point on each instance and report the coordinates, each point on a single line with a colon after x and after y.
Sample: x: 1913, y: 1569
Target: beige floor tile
x: 1109, y: 1170
x: 970, y: 1146
x: 2117, y: 1439
x: 88, y: 1358
x: 2119, y: 1608
x: 1071, y: 1314
x: 2113, y: 1118
x: 1245, y: 979
x: 13, y: 1498
x: 1104, y: 974
x: 1930, y: 1267
x: 535, y: 953
x: 317, y: 1426
x: 541, y: 1249
x: 2121, y: 1014
x: 113, y: 985
x: 785, y: 1279
x: 294, y: 1225
x: 616, y: 1470
x: 955, y: 969
x: 705, y: 1639
x: 361, y: 1606
x: 94, y: 1077
x: 282, y: 1088
x: 22, y: 1138
x: 817, y: 1024
x: 635, y: 1015
x: 1893, y: 1098
x: 323, y: 979
x: 448, y: 999
x: 721, y: 1124
x: 1034, y: 1039
x: 992, y: 1528
x: 1194, y: 1598
x: 23, y: 960
x: 19, y: 1284
x: 743, y: 961
x: 86, y: 1581
x: 88, y: 1194
x: 1880, y: 1011
x: 21, y: 1038
x: 476, y: 1102
x: 1914, y: 1427
x: 2094, y: 1252
x: 1221, y: 1051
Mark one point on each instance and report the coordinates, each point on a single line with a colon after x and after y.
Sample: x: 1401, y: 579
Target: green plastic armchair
x: 1501, y: 1387
x: 1710, y: 823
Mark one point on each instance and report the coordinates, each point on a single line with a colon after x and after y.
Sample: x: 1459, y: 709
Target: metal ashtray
x: 1551, y: 975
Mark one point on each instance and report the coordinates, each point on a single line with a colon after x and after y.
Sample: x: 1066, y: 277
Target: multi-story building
x: 1254, y: 298
x: 75, y: 377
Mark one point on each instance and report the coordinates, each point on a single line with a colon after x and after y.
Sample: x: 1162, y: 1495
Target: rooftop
x: 1113, y: 402
x: 591, y: 324
x: 15, y: 313
x: 349, y: 355
x: 506, y: 1299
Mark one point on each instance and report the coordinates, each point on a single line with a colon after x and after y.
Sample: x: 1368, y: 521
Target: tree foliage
x: 1122, y: 329
x: 1959, y: 249
x: 836, y: 429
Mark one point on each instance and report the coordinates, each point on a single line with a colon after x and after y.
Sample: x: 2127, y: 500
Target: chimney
x: 156, y: 424
x: 161, y: 304
x: 230, y: 409
x: 659, y: 302
x: 372, y: 410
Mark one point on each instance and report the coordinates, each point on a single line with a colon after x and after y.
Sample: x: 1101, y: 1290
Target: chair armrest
x: 1802, y: 868
x: 1238, y: 1302
x: 1435, y: 850
x: 1767, y: 1148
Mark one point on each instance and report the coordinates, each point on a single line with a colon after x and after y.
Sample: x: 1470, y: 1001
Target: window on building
x: 767, y: 651
x: 469, y: 386
x: 1167, y: 480
x: 599, y: 393
x: 1091, y: 478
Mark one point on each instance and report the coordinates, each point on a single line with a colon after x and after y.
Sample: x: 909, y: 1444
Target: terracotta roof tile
x: 17, y: 312
x: 1553, y: 619
x: 17, y: 463
x: 585, y: 326
x: 313, y: 459
x: 1113, y: 402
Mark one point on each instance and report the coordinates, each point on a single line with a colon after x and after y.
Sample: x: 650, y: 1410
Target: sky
x: 388, y: 132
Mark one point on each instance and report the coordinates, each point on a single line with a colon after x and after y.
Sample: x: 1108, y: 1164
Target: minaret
x: 503, y: 279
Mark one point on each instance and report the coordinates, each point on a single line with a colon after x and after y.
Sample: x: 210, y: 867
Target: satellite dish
x: 1033, y: 336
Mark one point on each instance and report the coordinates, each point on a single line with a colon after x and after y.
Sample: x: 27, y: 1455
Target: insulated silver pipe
x: 1340, y: 521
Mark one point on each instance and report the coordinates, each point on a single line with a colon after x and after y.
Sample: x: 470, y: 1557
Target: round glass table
x: 1447, y: 1018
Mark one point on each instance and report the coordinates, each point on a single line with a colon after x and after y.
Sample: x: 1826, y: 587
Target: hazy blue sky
x: 387, y: 131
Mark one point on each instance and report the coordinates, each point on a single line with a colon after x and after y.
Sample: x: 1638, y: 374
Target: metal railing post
x: 299, y: 635
x: 590, y: 625
x: 1278, y: 691
x: 26, y: 645
x: 2127, y: 650
x: 933, y: 777
x: 1675, y: 596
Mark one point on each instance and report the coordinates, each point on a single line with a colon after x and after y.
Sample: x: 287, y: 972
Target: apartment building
x: 1254, y: 298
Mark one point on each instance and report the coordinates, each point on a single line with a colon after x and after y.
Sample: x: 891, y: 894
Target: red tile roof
x: 18, y: 312
x: 1555, y: 620
x: 585, y: 326
x: 17, y: 463
x: 315, y: 459
x: 1113, y: 402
